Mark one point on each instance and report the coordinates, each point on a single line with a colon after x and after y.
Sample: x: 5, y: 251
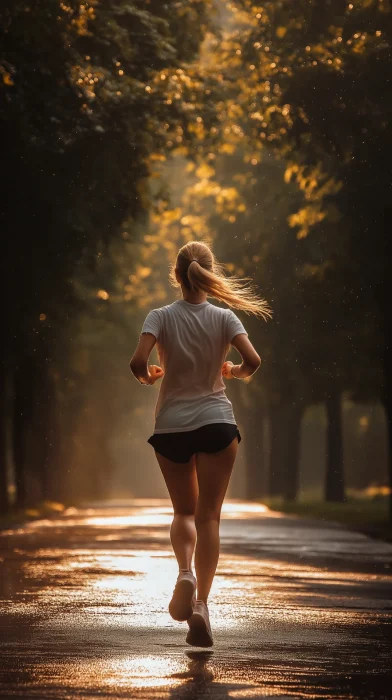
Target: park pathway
x: 299, y: 609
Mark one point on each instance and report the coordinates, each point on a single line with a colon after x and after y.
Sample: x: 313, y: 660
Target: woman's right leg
x: 181, y: 482
x: 213, y: 475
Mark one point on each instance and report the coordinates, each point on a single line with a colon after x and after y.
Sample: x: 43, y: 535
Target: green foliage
x: 357, y: 511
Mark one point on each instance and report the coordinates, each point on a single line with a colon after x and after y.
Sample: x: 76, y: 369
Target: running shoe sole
x: 181, y: 605
x: 198, y: 634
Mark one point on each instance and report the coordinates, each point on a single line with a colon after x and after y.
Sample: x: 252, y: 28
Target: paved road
x: 299, y: 609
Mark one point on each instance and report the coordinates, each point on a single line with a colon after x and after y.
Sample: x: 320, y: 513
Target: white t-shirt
x: 192, y: 342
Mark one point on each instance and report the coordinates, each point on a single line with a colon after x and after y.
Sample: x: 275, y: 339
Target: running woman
x: 196, y: 436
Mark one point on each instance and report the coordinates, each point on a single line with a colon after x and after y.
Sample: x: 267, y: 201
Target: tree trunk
x: 254, y: 451
x: 388, y: 414
x: 293, y: 443
x: 64, y: 479
x: 45, y: 429
x: 334, y: 477
x: 23, y: 403
x: 4, y: 503
x: 277, y: 469
x: 19, y: 434
x: 388, y: 411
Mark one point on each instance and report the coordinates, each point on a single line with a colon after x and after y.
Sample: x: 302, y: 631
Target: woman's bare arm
x: 145, y: 374
x: 251, y: 361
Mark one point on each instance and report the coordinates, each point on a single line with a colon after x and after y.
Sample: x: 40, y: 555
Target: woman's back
x: 192, y: 342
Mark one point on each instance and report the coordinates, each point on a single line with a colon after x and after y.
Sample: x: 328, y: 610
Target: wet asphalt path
x: 299, y: 609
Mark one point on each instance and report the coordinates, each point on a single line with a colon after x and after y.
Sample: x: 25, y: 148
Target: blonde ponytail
x: 198, y: 269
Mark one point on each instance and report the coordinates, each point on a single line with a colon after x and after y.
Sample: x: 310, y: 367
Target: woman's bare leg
x: 181, y: 482
x: 213, y: 474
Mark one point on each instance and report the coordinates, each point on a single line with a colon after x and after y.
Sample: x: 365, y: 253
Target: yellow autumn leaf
x: 205, y: 171
x: 228, y: 148
x: 7, y: 80
x: 144, y: 271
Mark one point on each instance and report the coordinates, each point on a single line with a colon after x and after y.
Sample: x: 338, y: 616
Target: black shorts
x: 179, y: 447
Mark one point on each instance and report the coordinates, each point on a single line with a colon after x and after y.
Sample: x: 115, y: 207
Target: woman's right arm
x: 251, y: 361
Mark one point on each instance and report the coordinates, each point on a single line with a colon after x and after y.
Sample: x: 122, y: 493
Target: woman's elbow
x: 255, y: 362
x: 135, y: 367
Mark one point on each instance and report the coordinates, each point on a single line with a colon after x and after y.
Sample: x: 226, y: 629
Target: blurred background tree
x: 91, y: 92
x: 315, y: 91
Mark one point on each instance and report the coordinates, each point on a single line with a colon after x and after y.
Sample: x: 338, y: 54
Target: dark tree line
x: 318, y: 96
x: 89, y: 92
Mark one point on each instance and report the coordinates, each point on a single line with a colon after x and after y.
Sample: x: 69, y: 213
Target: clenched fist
x: 155, y: 373
x: 226, y: 370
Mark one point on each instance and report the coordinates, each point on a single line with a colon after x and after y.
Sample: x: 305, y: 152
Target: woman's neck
x: 194, y: 298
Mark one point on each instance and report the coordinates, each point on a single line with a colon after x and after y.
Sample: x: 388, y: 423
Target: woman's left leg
x: 181, y: 482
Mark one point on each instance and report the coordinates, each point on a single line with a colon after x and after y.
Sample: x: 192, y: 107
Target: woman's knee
x: 184, y: 512
x: 206, y: 515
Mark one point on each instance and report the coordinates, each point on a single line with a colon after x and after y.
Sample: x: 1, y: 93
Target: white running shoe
x: 199, y: 634
x: 184, y: 598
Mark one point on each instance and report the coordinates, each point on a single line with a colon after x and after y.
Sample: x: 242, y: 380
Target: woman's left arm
x: 138, y: 364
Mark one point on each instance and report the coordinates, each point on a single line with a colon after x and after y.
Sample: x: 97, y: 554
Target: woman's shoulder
x: 166, y: 308
x: 176, y: 305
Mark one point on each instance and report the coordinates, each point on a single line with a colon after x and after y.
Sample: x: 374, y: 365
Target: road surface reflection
x: 297, y: 609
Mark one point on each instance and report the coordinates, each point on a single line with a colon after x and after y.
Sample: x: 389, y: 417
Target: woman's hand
x: 155, y: 373
x: 226, y: 370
